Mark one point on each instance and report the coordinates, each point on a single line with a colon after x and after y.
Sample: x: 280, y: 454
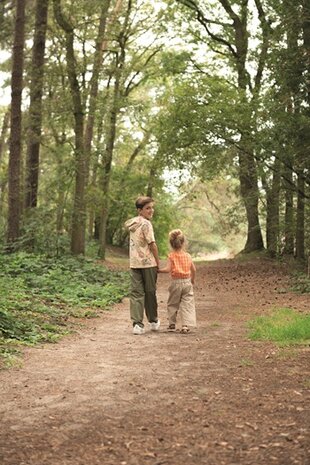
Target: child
x: 144, y: 263
x: 181, y: 295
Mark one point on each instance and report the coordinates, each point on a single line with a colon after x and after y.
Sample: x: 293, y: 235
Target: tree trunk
x: 300, y: 217
x: 3, y: 143
x: 100, y: 48
x: 249, y: 193
x: 106, y: 166
x: 16, y: 121
x: 92, y: 208
x: 4, y: 130
x: 247, y: 166
x: 79, y: 208
x: 93, y: 223
x: 150, y: 184
x: 108, y: 155
x: 273, y: 211
x: 288, y: 184
x: 35, y: 108
x: 294, y: 84
x: 306, y: 40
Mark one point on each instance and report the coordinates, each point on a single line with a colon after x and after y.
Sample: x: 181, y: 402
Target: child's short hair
x: 142, y: 201
x: 176, y: 239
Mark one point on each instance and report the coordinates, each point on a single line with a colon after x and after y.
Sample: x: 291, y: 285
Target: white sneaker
x: 155, y: 325
x: 137, y: 329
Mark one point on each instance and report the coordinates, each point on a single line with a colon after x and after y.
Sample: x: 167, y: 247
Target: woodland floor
x: 104, y: 396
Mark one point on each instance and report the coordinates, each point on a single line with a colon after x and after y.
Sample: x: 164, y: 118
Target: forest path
x: 104, y: 396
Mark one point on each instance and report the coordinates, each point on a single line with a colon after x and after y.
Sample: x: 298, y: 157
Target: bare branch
x: 191, y: 4
x: 131, y: 85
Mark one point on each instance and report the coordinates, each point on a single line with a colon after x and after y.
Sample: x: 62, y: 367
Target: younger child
x: 181, y: 295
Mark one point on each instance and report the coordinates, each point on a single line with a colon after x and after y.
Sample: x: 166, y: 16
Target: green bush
x: 40, y: 296
x: 301, y: 283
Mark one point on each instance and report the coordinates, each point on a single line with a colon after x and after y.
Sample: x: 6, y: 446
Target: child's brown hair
x: 176, y: 239
x: 142, y: 201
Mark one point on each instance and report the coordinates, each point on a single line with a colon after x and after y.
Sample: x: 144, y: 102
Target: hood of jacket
x: 134, y: 223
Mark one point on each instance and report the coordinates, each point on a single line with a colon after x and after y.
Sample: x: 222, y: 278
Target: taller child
x: 144, y: 263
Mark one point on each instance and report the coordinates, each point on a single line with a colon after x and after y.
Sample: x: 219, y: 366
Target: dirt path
x: 211, y: 397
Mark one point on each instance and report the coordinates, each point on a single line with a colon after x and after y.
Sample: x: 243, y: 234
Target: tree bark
x: 288, y: 184
x: 4, y: 130
x: 247, y: 164
x: 150, y: 184
x: 94, y: 82
x: 108, y: 154
x: 273, y: 211
x: 79, y: 207
x: 3, y: 143
x: 107, y: 159
x: 249, y: 194
x: 300, y: 217
x: 35, y: 108
x: 294, y: 79
x: 14, y: 199
x: 93, y: 223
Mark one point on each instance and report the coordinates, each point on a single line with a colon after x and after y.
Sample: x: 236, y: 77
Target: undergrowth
x: 40, y: 297
x: 284, y: 326
x: 301, y: 283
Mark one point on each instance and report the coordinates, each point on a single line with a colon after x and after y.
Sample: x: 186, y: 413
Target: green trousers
x: 143, y: 295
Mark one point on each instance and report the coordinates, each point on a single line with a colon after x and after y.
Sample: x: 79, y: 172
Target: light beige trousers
x: 181, y: 302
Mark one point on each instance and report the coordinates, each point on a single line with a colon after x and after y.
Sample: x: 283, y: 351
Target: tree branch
x: 267, y: 30
x: 191, y: 4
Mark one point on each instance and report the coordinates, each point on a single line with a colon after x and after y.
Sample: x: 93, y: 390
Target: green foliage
x: 125, y: 188
x: 174, y: 63
x: 166, y: 217
x: 123, y: 206
x: 39, y: 233
x: 212, y: 217
x: 199, y: 124
x: 50, y: 293
x: 284, y: 326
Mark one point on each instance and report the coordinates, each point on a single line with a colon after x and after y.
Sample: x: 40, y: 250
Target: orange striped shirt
x: 181, y: 263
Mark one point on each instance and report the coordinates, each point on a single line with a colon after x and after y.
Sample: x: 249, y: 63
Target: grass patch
x: 284, y: 326
x: 245, y: 362
x: 40, y: 297
x: 215, y: 325
x: 306, y: 383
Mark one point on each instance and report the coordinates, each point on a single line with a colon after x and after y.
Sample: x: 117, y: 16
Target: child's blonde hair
x: 176, y: 239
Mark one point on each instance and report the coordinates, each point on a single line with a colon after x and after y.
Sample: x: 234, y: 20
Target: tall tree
x: 79, y: 208
x: 111, y: 130
x: 3, y: 144
x: 130, y: 71
x: 35, y: 107
x: 294, y: 69
x: 288, y: 183
x: 14, y: 211
x: 101, y: 48
x: 273, y: 210
x: 237, y: 44
x: 3, y: 134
